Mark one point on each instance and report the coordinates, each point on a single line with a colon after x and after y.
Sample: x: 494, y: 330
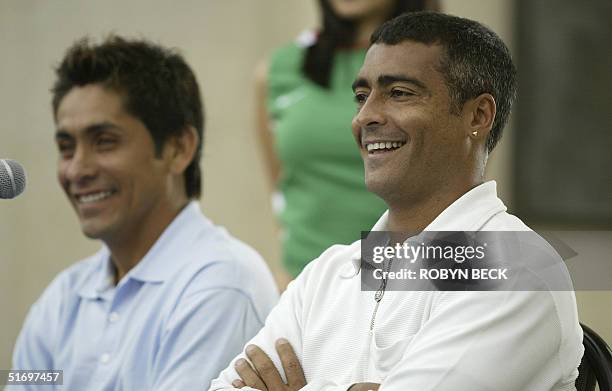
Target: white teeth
x: 94, y: 197
x: 384, y: 145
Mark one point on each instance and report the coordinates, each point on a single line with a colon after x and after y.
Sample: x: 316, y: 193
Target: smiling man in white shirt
x: 433, y: 96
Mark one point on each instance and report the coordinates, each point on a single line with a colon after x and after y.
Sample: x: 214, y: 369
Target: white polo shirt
x: 424, y: 340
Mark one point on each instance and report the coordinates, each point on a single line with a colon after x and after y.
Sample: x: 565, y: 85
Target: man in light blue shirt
x: 170, y: 298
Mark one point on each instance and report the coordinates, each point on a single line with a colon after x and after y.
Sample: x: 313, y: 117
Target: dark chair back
x: 596, y: 364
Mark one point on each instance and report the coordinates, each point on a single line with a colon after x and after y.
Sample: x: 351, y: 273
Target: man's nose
x: 81, y: 166
x: 371, y: 114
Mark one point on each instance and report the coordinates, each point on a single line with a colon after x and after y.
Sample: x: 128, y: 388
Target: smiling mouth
x: 94, y: 197
x: 383, y: 146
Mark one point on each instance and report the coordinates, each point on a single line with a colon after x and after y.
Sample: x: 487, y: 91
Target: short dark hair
x: 475, y: 61
x: 337, y: 33
x: 156, y: 84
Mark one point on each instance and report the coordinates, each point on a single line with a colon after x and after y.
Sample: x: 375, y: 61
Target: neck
x: 414, y: 215
x: 128, y: 248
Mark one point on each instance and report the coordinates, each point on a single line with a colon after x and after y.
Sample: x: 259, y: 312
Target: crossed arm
x: 264, y: 376
x: 271, y: 360
x: 470, y: 341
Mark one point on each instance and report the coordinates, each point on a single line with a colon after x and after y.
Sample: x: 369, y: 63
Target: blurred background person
x: 304, y: 109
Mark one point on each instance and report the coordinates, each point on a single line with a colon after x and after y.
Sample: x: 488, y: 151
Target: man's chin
x: 378, y: 186
x: 387, y: 187
x: 91, y: 234
x: 93, y: 231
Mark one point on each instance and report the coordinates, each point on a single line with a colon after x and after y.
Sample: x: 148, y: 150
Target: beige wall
x: 222, y: 40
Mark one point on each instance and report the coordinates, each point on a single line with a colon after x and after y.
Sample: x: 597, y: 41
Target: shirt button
x: 113, y: 317
x: 105, y: 358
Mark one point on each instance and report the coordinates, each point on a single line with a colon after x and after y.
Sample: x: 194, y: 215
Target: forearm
x: 364, y: 387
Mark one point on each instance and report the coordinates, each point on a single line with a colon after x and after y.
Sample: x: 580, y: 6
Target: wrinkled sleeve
x: 487, y: 341
x: 208, y: 328
x: 35, y: 343
x: 284, y: 321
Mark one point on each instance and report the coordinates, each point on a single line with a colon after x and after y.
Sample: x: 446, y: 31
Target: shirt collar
x: 99, y: 279
x: 468, y: 213
x: 161, y: 261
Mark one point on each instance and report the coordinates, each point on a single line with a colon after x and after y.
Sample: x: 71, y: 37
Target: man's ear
x: 183, y: 149
x: 481, y: 114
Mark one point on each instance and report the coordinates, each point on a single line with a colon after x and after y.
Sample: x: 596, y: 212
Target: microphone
x: 12, y: 179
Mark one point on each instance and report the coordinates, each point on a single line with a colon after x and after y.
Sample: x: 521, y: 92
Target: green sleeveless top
x: 324, y: 198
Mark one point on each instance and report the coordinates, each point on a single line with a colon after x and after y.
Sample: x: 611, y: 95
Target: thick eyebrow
x: 62, y: 134
x: 359, y: 82
x: 386, y: 80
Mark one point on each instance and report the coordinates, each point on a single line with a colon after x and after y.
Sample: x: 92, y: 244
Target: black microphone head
x: 12, y: 179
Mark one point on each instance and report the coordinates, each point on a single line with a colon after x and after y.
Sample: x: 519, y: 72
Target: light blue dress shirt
x: 172, y: 323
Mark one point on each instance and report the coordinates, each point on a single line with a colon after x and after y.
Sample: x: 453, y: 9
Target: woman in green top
x: 305, y: 107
